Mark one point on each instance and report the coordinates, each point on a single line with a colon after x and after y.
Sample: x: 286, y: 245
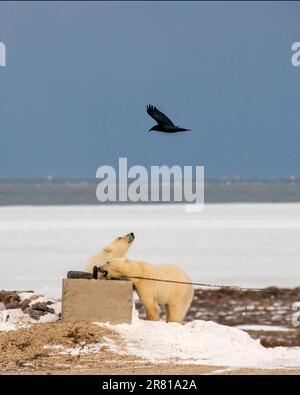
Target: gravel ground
x: 150, y: 369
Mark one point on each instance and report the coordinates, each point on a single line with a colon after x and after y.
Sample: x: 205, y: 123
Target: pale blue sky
x: 79, y: 76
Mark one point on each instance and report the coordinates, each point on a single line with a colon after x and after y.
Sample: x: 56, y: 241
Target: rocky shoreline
x: 10, y: 300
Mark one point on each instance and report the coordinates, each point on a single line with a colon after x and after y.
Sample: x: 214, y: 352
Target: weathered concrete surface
x: 97, y: 301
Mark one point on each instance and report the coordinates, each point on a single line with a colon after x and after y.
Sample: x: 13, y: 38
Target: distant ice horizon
x: 54, y: 191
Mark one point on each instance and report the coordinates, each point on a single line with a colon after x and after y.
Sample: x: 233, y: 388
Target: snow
x: 267, y: 328
x: 235, y: 244
x: 14, y: 319
x: 200, y: 342
x: 83, y: 349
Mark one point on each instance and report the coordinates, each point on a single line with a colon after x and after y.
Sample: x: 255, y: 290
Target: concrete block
x: 97, y: 301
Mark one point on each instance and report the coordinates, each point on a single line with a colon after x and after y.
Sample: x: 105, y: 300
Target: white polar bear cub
x: 117, y: 248
x: 176, y: 297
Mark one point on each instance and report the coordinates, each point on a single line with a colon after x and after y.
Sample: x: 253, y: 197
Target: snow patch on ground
x: 11, y: 320
x: 266, y: 328
x: 200, y: 342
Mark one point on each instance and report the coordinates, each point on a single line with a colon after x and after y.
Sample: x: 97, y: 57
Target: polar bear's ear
x: 107, y: 249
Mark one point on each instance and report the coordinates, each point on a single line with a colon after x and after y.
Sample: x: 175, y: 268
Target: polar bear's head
x: 115, y: 268
x: 119, y: 246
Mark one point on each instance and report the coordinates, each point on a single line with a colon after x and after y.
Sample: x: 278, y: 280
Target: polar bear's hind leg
x: 152, y: 310
x: 176, y: 313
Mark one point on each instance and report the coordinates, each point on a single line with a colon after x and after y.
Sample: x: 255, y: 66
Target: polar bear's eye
x: 119, y: 238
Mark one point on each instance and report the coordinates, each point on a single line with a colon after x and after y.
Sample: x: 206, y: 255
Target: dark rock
x: 2, y: 295
x: 25, y: 303
x: 49, y: 302
x: 12, y: 304
x: 42, y: 306
x: 34, y: 297
x: 7, y: 296
x: 51, y: 311
x: 35, y: 314
x: 30, y: 291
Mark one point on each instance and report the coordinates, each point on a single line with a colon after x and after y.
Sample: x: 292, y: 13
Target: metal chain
x: 232, y: 287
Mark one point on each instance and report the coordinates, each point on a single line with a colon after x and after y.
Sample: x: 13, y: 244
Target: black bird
x: 164, y: 124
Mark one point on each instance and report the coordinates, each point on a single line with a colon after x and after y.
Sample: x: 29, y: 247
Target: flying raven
x: 164, y: 124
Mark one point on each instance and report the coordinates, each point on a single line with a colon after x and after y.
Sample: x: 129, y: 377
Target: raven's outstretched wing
x: 159, y: 117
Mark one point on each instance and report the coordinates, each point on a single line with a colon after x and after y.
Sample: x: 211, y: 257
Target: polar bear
x: 117, y: 248
x: 175, y: 297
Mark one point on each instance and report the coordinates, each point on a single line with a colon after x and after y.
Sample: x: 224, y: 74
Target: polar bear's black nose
x: 132, y: 234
